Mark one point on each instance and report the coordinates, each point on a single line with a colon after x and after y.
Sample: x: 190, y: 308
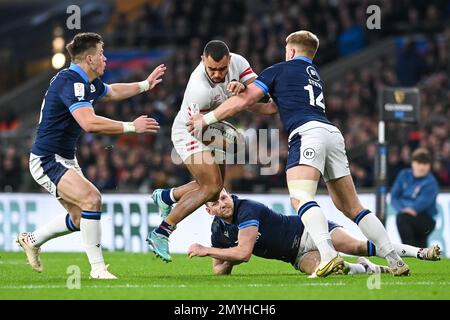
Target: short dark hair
x: 421, y: 155
x: 83, y: 42
x: 216, y: 49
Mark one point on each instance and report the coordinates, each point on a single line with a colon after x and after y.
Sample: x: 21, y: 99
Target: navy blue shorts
x: 47, y: 170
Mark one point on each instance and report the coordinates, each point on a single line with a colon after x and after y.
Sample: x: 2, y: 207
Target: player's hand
x: 197, y: 250
x: 410, y: 211
x: 154, y: 77
x: 235, y: 87
x: 143, y: 124
x: 196, y: 124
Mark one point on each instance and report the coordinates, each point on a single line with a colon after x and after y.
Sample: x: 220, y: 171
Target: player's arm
x: 90, y: 122
x: 222, y: 267
x: 121, y: 91
x: 235, y: 87
x: 265, y: 108
x: 227, y: 109
x: 241, y: 253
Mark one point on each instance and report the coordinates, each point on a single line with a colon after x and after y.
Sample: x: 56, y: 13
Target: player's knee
x: 76, y: 220
x: 92, y: 201
x: 301, y: 192
x: 211, y: 192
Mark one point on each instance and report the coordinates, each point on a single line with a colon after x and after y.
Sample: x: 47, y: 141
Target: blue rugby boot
x: 163, y: 208
x: 159, y: 244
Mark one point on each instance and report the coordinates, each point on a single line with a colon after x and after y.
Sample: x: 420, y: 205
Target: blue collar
x: 303, y: 58
x: 77, y: 69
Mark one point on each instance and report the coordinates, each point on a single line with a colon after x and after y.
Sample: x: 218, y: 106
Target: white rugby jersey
x: 203, y: 95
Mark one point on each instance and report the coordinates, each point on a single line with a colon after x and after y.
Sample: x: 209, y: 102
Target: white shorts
x: 186, y: 145
x: 321, y: 146
x: 48, y: 170
x: 307, y: 244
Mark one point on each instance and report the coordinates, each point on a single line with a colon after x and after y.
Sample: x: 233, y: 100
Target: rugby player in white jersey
x: 219, y: 75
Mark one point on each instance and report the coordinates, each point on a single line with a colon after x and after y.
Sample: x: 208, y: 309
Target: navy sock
x: 371, y: 249
x: 70, y: 225
x: 165, y: 229
x: 165, y: 197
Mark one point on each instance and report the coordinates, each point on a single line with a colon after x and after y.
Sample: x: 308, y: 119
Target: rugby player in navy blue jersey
x: 66, y: 111
x: 243, y: 227
x: 316, y: 147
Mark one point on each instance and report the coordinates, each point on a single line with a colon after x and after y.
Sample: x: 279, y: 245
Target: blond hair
x: 305, y: 40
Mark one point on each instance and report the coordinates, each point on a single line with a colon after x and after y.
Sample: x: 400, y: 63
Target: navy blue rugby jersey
x: 58, y: 131
x: 296, y: 88
x: 279, y: 235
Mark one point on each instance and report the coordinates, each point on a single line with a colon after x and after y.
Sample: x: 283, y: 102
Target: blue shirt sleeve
x: 396, y: 192
x: 103, y: 89
x: 426, y: 200
x: 249, y: 214
x: 266, y: 79
x: 72, y: 94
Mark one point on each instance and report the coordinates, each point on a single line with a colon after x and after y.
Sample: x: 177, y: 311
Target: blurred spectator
x: 414, y: 197
x: 410, y: 65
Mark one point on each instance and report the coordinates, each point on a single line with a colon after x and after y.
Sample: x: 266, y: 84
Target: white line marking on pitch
x: 327, y: 284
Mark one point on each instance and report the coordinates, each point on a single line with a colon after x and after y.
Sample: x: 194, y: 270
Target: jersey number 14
x: 317, y: 101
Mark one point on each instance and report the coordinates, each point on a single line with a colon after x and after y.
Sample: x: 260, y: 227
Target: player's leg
x: 209, y: 178
x: 59, y: 226
x: 311, y: 260
x: 77, y: 191
x: 344, y: 242
x: 47, y: 172
x: 302, y: 183
x: 343, y: 194
x: 166, y: 198
x: 342, y: 191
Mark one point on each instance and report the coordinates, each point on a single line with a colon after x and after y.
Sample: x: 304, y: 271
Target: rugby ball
x: 223, y: 136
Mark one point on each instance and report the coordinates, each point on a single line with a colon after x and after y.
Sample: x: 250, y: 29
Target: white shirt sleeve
x: 197, y: 99
x: 245, y: 71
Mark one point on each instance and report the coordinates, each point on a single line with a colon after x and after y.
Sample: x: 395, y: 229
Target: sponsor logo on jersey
x: 313, y: 74
x: 92, y: 88
x: 78, y: 89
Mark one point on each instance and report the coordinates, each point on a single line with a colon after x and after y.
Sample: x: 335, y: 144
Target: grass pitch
x: 142, y: 276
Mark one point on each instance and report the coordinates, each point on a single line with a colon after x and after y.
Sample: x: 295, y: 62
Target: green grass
x: 142, y: 276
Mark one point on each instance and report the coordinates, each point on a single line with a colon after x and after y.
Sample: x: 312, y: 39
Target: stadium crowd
x: 142, y: 163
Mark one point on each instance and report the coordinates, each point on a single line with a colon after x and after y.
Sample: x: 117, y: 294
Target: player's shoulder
x: 63, y: 78
x: 237, y: 58
x: 275, y: 68
x: 246, y: 205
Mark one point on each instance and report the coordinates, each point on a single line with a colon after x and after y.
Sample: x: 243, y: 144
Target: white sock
x: 172, y: 197
x: 355, y: 268
x: 91, y: 233
x: 374, y: 230
x: 404, y: 250
x: 317, y: 226
x: 59, y: 226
